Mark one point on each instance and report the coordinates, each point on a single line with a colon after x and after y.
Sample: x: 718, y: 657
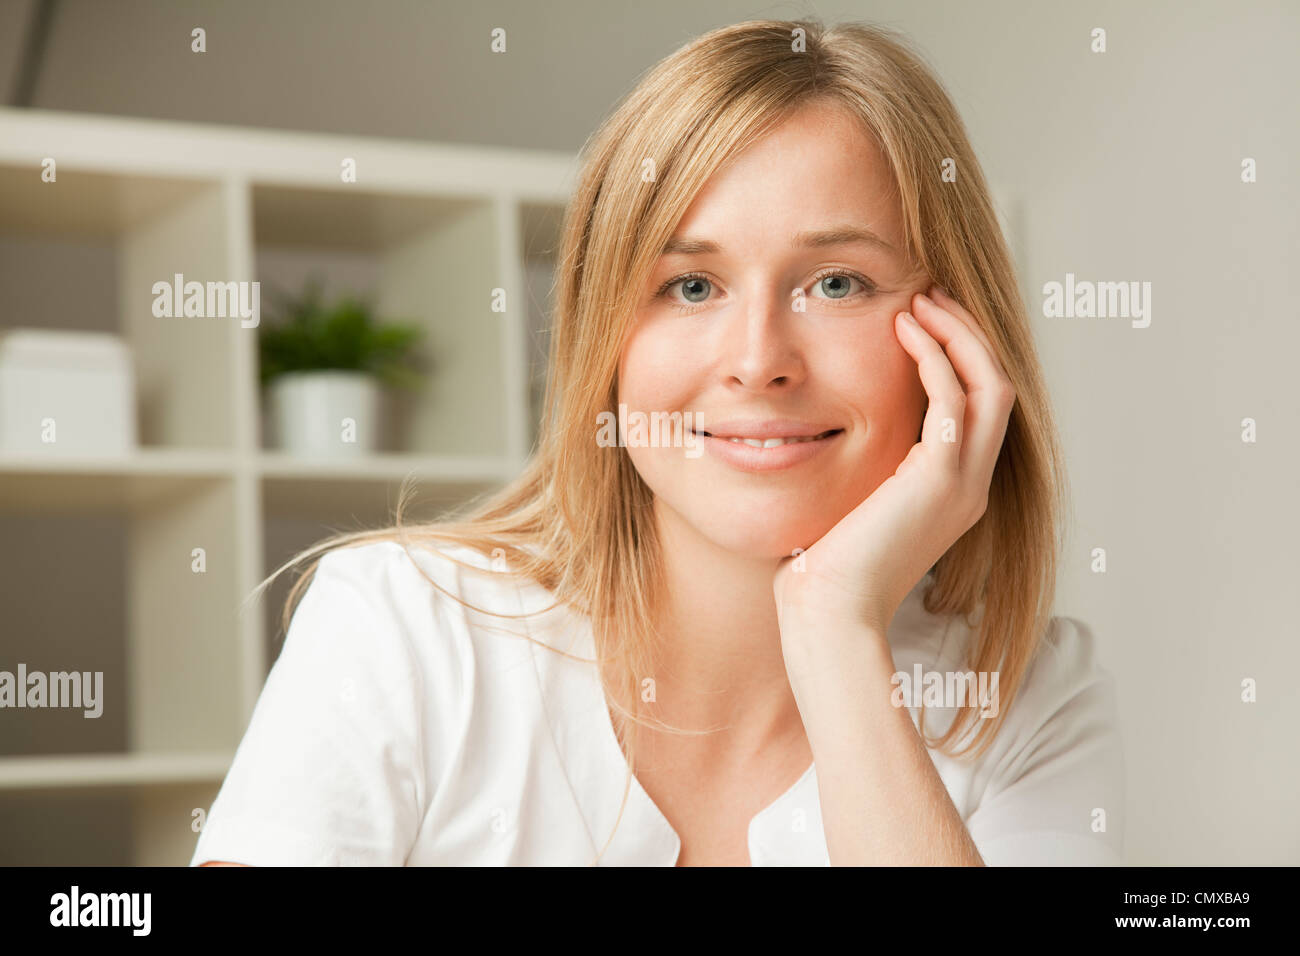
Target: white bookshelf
x: 95, y: 552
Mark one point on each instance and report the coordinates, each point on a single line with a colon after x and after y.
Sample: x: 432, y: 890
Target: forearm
x: 882, y: 800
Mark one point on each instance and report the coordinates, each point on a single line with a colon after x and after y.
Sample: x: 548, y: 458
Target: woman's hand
x: 860, y: 571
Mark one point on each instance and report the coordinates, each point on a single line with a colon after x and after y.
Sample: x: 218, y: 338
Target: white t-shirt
x: 399, y: 728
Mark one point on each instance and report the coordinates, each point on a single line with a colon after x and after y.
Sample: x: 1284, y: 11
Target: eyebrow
x: 838, y: 236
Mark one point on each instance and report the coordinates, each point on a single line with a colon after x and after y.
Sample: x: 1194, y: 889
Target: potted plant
x: 323, y: 366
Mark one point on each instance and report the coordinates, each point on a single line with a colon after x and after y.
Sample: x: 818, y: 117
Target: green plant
x: 307, y: 334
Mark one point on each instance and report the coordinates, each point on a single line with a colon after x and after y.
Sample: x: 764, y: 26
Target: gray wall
x: 1128, y: 166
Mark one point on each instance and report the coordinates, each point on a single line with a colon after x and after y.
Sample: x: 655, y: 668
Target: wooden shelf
x: 142, y: 461
x: 133, y: 483
x: 347, y: 217
x: 112, y: 770
x: 388, y: 467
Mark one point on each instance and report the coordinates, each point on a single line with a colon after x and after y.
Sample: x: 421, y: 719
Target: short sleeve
x: 329, y: 770
x: 1055, y: 796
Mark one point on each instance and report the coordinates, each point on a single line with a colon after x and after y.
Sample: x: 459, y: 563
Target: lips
x: 767, y: 446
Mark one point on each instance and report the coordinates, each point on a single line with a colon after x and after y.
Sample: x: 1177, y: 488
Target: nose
x: 761, y: 346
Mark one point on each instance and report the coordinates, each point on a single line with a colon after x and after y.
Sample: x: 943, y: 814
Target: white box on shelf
x: 66, y: 392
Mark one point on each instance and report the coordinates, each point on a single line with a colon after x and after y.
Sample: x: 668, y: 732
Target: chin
x: 770, y: 539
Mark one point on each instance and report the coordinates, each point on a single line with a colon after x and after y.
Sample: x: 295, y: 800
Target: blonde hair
x: 577, y: 521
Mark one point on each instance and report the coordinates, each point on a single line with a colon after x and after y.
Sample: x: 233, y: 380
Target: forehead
x: 819, y: 168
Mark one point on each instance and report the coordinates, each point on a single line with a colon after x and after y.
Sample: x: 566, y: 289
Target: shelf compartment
x: 85, y: 252
x: 87, y: 204
x: 98, y: 573
x: 431, y: 261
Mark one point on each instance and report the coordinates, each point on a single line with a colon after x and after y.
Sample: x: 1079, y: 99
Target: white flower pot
x: 325, y: 414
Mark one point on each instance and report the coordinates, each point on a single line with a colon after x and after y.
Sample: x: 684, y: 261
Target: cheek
x: 877, y: 376
x: 656, y: 373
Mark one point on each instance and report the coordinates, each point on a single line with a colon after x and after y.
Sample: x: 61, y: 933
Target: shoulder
x: 1066, y: 682
x: 364, y: 619
x: 1052, y: 784
x: 1070, y: 648
x: 1064, y: 671
x: 445, y: 608
x: 405, y: 582
x: 388, y: 613
x: 1065, y: 693
x: 390, y: 568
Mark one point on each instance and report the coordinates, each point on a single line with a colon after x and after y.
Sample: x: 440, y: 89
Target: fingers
x: 971, y: 357
x: 947, y: 397
x: 988, y: 395
x: 943, y: 299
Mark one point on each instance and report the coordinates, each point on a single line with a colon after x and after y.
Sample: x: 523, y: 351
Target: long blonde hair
x: 577, y: 521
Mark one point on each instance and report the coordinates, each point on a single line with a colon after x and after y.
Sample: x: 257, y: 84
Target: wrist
x: 820, y: 624
x: 830, y: 648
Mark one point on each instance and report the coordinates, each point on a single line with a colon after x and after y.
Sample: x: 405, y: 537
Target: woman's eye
x: 696, y: 289
x: 837, y: 285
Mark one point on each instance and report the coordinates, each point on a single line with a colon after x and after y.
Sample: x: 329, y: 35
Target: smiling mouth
x: 770, y: 442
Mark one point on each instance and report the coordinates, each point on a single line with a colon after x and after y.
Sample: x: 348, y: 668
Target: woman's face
x: 785, y: 327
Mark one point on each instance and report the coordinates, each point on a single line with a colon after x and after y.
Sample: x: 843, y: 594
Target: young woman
x: 726, y: 648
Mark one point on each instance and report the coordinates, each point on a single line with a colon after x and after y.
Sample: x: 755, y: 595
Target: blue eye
x: 700, y: 292
x: 695, y: 288
x: 841, y: 282
x: 836, y: 283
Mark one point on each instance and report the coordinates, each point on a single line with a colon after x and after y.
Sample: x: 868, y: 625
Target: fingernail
x: 907, y: 317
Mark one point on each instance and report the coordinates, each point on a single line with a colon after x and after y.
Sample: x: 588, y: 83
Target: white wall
x: 1128, y: 165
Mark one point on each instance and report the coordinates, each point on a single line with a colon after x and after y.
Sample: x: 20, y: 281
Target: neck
x: 720, y: 645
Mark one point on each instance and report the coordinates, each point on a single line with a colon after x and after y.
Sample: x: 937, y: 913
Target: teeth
x: 775, y: 442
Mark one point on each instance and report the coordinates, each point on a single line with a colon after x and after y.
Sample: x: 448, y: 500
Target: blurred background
x: 155, y: 466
